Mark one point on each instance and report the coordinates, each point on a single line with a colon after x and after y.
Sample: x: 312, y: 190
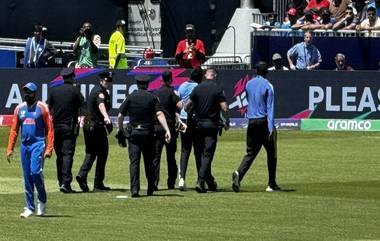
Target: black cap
x: 166, y: 75
x: 106, y: 75
x: 142, y: 79
x: 68, y: 72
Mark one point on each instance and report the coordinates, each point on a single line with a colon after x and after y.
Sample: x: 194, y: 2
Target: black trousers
x: 204, y: 146
x: 136, y: 145
x: 171, y: 149
x: 64, y: 146
x: 95, y: 138
x: 187, y: 141
x: 257, y: 136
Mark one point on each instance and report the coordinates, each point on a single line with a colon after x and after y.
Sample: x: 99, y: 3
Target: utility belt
x: 205, y: 124
x: 93, y: 125
x: 139, y: 132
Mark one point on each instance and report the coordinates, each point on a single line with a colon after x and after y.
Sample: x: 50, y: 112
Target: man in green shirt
x: 86, y: 47
x: 116, y: 47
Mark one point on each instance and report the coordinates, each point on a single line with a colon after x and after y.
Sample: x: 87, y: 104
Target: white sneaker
x: 181, y: 184
x: 41, y: 207
x: 269, y: 189
x: 26, y: 214
x: 273, y: 189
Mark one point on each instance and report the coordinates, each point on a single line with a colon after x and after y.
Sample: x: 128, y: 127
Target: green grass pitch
x: 331, y: 182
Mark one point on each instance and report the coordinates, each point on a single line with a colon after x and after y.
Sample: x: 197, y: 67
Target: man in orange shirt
x: 37, y: 138
x: 190, y: 52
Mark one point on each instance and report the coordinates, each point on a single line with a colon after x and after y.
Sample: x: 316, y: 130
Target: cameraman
x: 86, y: 47
x: 190, y: 52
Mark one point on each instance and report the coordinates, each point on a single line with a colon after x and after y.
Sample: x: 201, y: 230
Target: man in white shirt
x: 372, y: 22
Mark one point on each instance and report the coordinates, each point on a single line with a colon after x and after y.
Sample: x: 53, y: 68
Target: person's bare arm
x: 161, y: 118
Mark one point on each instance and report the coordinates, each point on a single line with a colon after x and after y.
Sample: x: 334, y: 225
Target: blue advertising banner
x: 298, y: 94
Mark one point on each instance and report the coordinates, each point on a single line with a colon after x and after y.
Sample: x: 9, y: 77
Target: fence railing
x: 317, y: 33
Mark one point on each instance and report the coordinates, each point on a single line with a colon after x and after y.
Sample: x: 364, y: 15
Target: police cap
x: 166, y: 75
x: 68, y: 72
x: 106, y: 76
x: 142, y: 79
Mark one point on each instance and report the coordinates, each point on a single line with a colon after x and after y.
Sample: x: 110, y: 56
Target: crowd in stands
x: 306, y: 15
x: 329, y: 14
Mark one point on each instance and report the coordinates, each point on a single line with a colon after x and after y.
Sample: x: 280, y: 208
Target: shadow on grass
x: 56, y: 216
x: 355, y: 190
x: 166, y: 195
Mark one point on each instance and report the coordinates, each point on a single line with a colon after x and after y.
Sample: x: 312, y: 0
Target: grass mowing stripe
x: 331, y: 179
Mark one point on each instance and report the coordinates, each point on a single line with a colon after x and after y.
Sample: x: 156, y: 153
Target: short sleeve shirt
x: 206, y: 99
x: 141, y: 107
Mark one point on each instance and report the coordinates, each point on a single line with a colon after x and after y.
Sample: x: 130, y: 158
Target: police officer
x: 96, y: 128
x: 65, y: 102
x: 261, y: 130
x: 143, y: 109
x: 207, y: 101
x: 170, y: 104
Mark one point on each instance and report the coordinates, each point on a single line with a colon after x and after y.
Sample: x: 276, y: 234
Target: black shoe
x: 150, y: 190
x: 235, y: 181
x: 101, y: 188
x: 171, y: 186
x: 200, y: 187
x: 82, y: 183
x: 66, y: 189
x: 135, y: 194
x: 212, y: 186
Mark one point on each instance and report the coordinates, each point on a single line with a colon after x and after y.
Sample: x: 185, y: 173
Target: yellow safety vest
x: 116, y: 46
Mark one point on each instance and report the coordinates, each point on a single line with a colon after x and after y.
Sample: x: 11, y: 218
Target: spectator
x: 116, y: 46
x: 86, y: 47
x: 338, y: 8
x: 277, y: 63
x: 371, y: 23
x: 37, y: 49
x: 308, y: 19
x: 271, y: 22
x: 340, y: 61
x: 304, y: 56
x: 360, y: 9
x: 348, y: 22
x: 324, y: 21
x: 316, y: 5
x: 190, y: 52
x: 299, y: 5
x: 290, y: 19
x: 375, y: 4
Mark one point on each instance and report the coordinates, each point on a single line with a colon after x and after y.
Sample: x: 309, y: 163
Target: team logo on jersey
x: 22, y: 114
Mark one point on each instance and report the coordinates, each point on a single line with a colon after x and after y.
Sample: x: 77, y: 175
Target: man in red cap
x: 290, y: 19
x: 190, y: 52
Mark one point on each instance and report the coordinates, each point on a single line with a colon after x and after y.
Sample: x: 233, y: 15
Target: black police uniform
x: 206, y: 99
x: 141, y: 107
x: 96, y: 140
x: 65, y: 102
x: 168, y: 100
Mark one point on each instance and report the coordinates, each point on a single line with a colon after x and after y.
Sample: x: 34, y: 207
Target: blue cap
x: 30, y: 86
